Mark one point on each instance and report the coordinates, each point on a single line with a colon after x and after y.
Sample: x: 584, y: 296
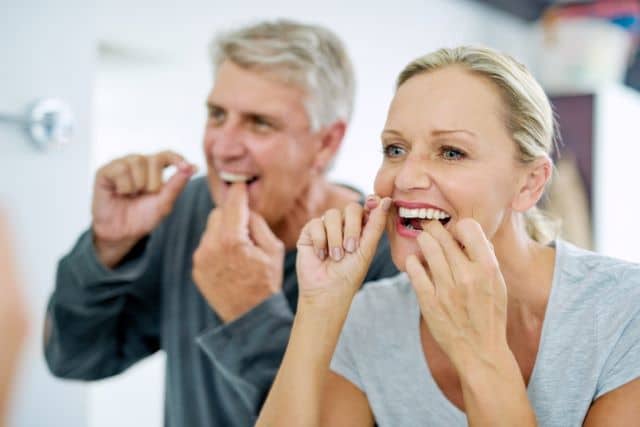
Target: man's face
x: 258, y: 131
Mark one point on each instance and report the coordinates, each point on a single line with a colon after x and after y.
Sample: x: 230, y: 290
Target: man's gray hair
x: 308, y: 56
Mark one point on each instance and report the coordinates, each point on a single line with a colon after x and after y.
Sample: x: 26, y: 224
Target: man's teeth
x: 234, y: 177
x: 423, y: 213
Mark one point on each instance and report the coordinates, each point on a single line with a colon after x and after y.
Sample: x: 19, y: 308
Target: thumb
x: 263, y: 237
x: 174, y: 186
x: 374, y: 228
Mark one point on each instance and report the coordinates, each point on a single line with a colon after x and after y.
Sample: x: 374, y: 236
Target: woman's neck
x: 527, y: 267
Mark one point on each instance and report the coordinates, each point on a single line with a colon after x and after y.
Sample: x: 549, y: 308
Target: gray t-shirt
x: 590, y: 345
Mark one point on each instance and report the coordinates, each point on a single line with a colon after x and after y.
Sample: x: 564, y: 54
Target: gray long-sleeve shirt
x: 102, y: 321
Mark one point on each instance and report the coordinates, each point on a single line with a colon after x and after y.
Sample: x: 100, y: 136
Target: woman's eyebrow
x: 390, y: 132
x: 440, y: 132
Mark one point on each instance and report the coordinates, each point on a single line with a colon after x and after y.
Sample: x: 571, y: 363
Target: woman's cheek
x: 383, y: 184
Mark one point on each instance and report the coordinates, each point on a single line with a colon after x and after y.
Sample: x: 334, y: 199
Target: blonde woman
x: 492, y: 322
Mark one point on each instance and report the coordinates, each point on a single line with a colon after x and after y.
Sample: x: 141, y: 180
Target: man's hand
x: 239, y: 261
x: 130, y: 199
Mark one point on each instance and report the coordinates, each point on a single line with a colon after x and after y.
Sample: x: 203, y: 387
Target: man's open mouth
x: 229, y: 178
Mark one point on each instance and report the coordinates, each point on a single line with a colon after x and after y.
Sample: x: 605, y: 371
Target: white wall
x: 616, y: 174
x: 143, y: 105
x: 46, y: 50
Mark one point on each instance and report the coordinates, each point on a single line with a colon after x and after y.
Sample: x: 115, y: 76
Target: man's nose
x: 228, y: 142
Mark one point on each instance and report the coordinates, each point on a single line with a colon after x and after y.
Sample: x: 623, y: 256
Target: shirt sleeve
x: 101, y: 321
x: 249, y: 350
x: 623, y: 362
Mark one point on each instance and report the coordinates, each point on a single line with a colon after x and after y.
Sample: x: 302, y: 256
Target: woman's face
x: 447, y: 155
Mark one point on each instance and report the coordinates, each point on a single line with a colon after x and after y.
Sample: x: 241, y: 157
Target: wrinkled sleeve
x: 623, y: 362
x: 101, y: 321
x: 249, y: 350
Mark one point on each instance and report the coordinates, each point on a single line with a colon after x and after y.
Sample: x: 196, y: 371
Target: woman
x: 491, y: 324
x: 13, y: 320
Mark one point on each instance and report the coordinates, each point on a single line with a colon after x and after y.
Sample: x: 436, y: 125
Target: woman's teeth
x: 423, y: 213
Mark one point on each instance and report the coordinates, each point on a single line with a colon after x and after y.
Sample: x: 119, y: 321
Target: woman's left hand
x: 462, y: 293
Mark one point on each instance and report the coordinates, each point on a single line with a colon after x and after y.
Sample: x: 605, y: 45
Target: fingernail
x: 386, y: 204
x: 372, y: 201
x: 186, y: 167
x: 350, y: 244
x: 321, y: 253
x: 336, y: 253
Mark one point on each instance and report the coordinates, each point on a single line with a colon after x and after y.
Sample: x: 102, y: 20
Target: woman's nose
x: 413, y: 174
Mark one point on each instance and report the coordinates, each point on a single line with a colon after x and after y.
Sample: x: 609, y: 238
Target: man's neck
x: 315, y: 200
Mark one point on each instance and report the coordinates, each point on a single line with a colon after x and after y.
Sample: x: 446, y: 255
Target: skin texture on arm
x: 327, y: 286
x: 620, y: 407
x: 13, y: 320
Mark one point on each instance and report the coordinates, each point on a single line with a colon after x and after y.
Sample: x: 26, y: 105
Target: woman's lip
x: 404, y: 231
x: 416, y: 205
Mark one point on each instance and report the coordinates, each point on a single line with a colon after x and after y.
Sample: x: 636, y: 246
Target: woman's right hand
x: 335, y: 251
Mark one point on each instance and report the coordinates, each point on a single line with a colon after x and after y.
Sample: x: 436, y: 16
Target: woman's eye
x: 450, y: 153
x: 393, y: 151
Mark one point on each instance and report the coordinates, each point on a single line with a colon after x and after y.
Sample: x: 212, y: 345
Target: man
x: 205, y: 269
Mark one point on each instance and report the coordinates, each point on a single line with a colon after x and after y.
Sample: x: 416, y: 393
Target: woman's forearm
x: 296, y: 394
x: 495, y: 393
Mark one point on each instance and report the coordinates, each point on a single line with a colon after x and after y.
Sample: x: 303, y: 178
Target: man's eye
x: 450, y: 153
x: 393, y: 151
x: 261, y: 124
x: 217, y: 115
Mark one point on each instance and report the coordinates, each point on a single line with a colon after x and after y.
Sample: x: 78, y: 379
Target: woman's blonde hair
x: 529, y: 116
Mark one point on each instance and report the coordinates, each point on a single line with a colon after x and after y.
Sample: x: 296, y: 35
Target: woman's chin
x: 400, y: 253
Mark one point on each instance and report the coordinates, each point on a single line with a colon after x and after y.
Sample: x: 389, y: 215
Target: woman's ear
x: 330, y: 141
x: 533, y: 184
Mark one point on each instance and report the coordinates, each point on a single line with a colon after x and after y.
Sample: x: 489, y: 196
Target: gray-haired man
x: 204, y: 269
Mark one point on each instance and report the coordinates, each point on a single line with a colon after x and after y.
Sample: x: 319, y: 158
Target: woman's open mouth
x: 410, y: 220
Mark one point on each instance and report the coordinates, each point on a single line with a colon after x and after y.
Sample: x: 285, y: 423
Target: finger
x: 117, y: 174
x: 333, y: 228
x: 261, y: 234
x: 156, y: 165
x: 374, y: 228
x: 352, y: 226
x: 371, y: 202
x: 436, y: 260
x: 422, y: 284
x: 318, y: 237
x: 124, y: 184
x: 235, y: 211
x: 456, y: 258
x: 138, y: 171
x: 476, y: 245
x: 214, y: 219
x: 174, y: 186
